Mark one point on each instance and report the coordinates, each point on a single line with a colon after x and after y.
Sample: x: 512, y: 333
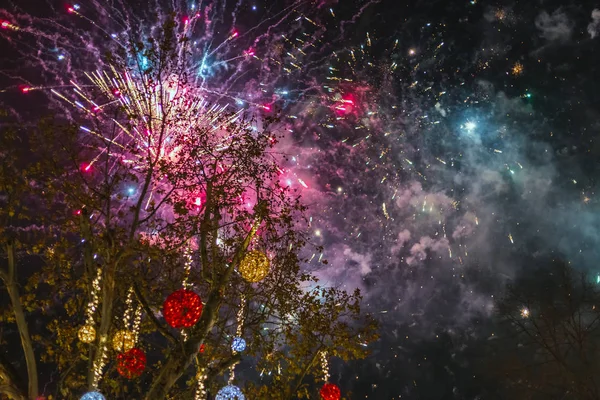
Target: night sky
x: 444, y: 148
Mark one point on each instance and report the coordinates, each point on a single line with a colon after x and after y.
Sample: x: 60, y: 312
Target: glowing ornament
x: 238, y: 344
x: 255, y: 266
x: 202, y: 348
x: 123, y: 341
x: 131, y: 364
x: 182, y: 309
x: 87, y: 334
x: 92, y: 396
x: 330, y: 391
x: 230, y: 392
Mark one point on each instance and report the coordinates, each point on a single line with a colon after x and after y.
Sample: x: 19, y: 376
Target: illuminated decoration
x: 255, y: 266
x: 202, y: 348
x: 100, y: 361
x: 330, y: 391
x: 92, y: 396
x: 182, y: 309
x: 200, y: 389
x: 230, y: 392
x: 87, y: 334
x: 132, y: 363
x: 123, y: 341
x: 525, y: 312
x: 238, y: 345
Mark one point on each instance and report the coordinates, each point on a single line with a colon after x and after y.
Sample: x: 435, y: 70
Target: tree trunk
x: 10, y: 280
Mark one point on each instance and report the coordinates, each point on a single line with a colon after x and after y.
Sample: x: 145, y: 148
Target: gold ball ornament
x: 87, y: 334
x: 254, y: 266
x: 123, y: 341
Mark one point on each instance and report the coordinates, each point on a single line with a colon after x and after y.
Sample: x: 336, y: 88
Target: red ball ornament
x: 202, y: 348
x: 182, y: 309
x: 330, y: 391
x: 131, y: 364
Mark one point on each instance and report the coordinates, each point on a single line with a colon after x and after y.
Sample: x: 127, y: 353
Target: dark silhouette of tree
x: 548, y: 342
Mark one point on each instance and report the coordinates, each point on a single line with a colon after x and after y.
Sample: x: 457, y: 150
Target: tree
x: 158, y: 190
x: 549, y: 344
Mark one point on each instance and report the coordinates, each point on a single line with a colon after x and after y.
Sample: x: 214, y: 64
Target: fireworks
x: 403, y: 149
x: 517, y: 69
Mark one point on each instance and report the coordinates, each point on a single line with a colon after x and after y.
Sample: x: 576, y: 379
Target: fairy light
x: 100, y: 362
x: 187, y: 268
x: 128, y: 307
x: 185, y: 282
x: 240, y: 316
x: 238, y: 333
x: 95, y: 299
x: 200, y: 389
x: 137, y: 321
x: 325, y: 366
x: 87, y: 333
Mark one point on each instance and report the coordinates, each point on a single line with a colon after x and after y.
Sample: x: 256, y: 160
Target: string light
x: 126, y: 339
x: 200, y: 389
x: 87, y: 333
x: 238, y: 334
x: 329, y: 391
x: 325, y: 366
x: 100, y: 361
x: 128, y: 307
x: 137, y: 321
x: 187, y: 268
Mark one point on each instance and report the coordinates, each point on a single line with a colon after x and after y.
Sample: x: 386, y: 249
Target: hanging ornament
x: 330, y: 391
x: 238, y: 345
x: 123, y: 341
x: 230, y: 392
x: 132, y: 363
x: 254, y: 266
x: 92, y: 396
x: 87, y: 334
x: 202, y: 348
x: 182, y: 309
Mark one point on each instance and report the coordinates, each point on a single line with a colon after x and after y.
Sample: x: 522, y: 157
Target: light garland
x: 100, y: 361
x: 238, y: 334
x: 128, y: 307
x: 137, y: 322
x: 87, y: 333
x: 126, y: 339
x: 200, y: 389
x: 187, y: 267
x: 325, y: 366
x: 329, y: 391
